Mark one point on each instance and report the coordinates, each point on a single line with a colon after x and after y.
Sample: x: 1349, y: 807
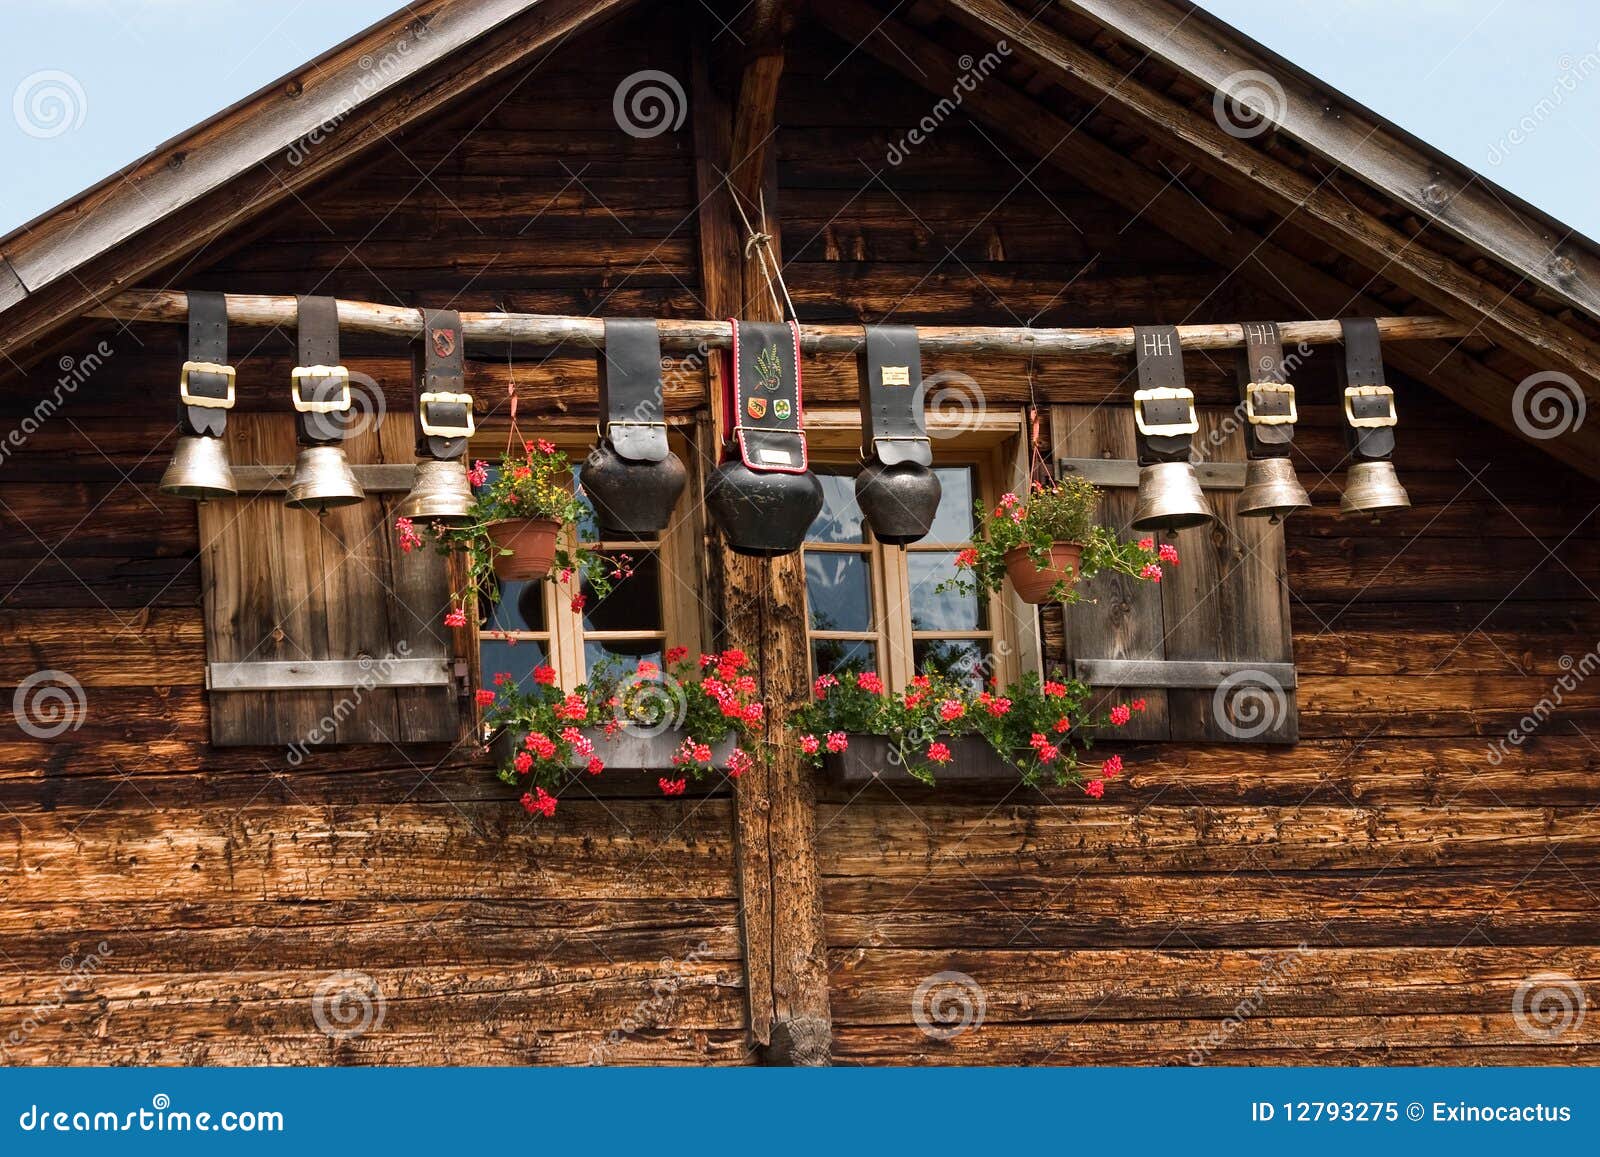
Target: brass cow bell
x: 1169, y: 498
x: 323, y: 480
x: 199, y: 470
x: 1371, y: 485
x: 1372, y: 488
x: 899, y: 501
x: 440, y: 492
x: 762, y: 513
x: 1271, y: 490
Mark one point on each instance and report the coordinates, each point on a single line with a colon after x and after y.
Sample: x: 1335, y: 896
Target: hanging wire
x: 759, y: 242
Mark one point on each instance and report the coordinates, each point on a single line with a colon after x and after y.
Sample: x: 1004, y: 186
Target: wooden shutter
x: 1213, y: 638
x: 334, y: 633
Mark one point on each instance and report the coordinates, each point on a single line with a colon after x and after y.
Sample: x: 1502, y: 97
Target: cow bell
x: 1271, y: 490
x: 1372, y: 488
x: 440, y: 492
x: 899, y: 501
x: 323, y: 480
x: 762, y: 513
x: 632, y: 499
x: 1170, y: 498
x: 199, y: 470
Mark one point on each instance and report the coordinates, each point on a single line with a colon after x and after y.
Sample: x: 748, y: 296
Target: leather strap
x: 1362, y: 370
x: 1159, y: 358
x: 317, y: 322
x: 893, y: 428
x: 766, y: 410
x: 440, y: 382
x: 631, y: 411
x: 1261, y: 363
x: 208, y: 345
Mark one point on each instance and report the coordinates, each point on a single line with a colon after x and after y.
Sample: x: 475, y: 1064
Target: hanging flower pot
x: 1032, y: 582
x: 532, y: 543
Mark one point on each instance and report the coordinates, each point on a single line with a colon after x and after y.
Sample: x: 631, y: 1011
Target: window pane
x: 935, y: 610
x: 838, y: 592
x: 634, y: 603
x: 519, y: 658
x: 832, y: 656
x: 953, y: 522
x: 961, y: 659
x: 840, y: 519
x: 521, y: 608
x: 622, y: 654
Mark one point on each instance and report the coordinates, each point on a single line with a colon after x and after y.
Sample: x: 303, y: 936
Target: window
x: 654, y: 607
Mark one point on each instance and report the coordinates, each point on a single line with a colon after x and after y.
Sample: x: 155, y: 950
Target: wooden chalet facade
x: 1378, y: 891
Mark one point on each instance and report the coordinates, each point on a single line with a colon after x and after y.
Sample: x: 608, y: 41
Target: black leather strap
x: 1363, y: 366
x: 1262, y: 361
x: 631, y: 411
x: 317, y: 320
x: 893, y: 429
x: 1159, y: 359
x: 208, y: 343
x: 766, y: 408
x: 438, y: 369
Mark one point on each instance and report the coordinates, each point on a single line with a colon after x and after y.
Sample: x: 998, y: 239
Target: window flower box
x: 624, y: 751
x: 873, y: 759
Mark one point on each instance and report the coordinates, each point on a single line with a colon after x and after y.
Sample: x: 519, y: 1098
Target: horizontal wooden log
x: 584, y: 332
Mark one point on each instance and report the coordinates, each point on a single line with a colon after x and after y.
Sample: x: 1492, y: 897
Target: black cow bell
x: 899, y: 501
x: 632, y: 499
x: 762, y: 513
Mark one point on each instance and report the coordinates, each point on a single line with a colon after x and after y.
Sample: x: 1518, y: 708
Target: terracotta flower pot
x: 532, y: 543
x: 1034, y: 583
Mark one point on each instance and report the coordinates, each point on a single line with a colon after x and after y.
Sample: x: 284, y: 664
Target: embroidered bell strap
x: 1264, y: 388
x: 766, y: 409
x: 443, y: 418
x: 893, y: 429
x: 205, y: 384
x: 632, y: 415
x: 320, y: 386
x: 1163, y: 407
x: 1368, y: 401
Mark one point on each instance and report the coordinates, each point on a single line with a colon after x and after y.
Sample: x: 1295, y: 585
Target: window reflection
x: 838, y: 591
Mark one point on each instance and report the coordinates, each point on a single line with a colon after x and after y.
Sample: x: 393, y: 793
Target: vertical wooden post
x: 761, y: 603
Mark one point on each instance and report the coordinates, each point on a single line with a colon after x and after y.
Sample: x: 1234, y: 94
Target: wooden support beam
x: 1444, y: 366
x: 760, y: 605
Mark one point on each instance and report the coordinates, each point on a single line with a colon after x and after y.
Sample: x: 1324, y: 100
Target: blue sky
x: 1464, y: 75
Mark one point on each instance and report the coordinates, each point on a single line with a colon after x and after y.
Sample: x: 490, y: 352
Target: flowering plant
x: 704, y: 701
x: 1058, y: 513
x: 1040, y: 727
x: 534, y: 484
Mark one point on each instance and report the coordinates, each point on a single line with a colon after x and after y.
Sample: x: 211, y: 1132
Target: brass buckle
x: 1254, y: 389
x: 1351, y: 393
x: 1161, y: 394
x: 200, y: 399
x: 301, y: 373
x: 433, y: 431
